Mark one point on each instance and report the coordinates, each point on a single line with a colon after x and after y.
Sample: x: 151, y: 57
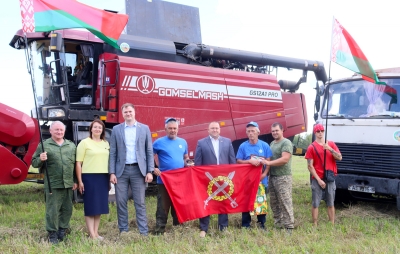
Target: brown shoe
x: 202, y: 234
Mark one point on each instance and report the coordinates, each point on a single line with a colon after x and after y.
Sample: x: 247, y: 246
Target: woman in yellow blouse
x: 92, y: 173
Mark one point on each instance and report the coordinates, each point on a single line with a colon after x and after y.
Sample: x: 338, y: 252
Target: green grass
x: 360, y: 228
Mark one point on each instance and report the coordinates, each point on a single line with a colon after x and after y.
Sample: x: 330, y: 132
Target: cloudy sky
x: 300, y: 29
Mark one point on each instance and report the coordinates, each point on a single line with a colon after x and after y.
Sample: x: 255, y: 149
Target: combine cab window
x: 48, y: 74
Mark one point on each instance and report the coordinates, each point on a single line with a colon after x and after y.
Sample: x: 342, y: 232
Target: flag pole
x: 29, y: 67
x: 327, y: 92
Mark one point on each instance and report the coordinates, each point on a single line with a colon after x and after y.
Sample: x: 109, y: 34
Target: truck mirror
x: 55, y: 42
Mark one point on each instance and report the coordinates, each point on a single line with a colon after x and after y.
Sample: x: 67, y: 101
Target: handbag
x: 329, y: 175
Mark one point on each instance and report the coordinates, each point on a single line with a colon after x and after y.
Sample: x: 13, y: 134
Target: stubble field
x: 360, y: 228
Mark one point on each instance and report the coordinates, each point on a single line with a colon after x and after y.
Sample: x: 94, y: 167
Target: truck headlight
x: 55, y: 112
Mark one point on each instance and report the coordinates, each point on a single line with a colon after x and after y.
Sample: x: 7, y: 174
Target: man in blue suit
x: 214, y: 150
x: 131, y: 164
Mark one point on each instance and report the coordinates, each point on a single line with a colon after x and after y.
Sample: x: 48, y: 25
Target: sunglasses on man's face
x: 320, y: 131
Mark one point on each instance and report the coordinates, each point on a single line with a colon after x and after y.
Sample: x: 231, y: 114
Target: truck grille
x: 374, y: 160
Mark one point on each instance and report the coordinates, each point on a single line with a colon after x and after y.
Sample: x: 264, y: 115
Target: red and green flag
x: 49, y: 15
x: 346, y: 52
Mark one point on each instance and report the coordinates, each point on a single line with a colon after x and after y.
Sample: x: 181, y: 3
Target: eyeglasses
x: 319, y: 131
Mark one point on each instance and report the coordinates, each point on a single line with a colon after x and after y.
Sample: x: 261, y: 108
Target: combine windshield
x: 50, y: 73
x: 362, y: 99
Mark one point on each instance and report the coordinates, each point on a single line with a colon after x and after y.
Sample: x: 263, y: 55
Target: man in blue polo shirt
x: 247, y: 152
x: 170, y: 152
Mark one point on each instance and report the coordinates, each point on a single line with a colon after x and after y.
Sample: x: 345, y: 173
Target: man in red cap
x: 317, y: 164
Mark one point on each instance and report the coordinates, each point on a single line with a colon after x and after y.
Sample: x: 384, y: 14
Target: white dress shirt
x: 130, y: 141
x: 215, y: 143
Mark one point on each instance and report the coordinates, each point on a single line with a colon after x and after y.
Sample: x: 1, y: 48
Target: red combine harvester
x: 79, y: 78
x: 195, y: 84
x: 19, y: 138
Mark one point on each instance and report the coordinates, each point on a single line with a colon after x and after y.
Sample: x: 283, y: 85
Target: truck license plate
x: 362, y: 188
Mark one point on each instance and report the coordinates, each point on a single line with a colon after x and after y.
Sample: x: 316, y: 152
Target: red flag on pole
x: 204, y: 190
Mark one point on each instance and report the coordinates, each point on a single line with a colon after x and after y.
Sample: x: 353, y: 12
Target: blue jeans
x: 131, y: 177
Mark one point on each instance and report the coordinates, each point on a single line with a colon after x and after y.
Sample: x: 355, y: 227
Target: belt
x: 132, y: 164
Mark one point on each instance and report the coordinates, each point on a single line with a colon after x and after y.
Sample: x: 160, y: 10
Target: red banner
x: 204, y: 190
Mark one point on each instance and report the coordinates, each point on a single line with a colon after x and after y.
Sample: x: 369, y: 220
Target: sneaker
x: 53, y: 237
x: 202, y: 234
x: 100, y: 238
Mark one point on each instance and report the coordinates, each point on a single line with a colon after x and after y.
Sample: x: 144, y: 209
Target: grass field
x: 360, y: 228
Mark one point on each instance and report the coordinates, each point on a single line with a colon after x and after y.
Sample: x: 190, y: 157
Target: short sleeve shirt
x: 277, y: 149
x: 317, y: 162
x: 246, y: 149
x: 93, y: 155
x: 170, y: 153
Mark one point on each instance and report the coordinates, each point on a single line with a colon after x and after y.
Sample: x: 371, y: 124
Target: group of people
x: 127, y: 161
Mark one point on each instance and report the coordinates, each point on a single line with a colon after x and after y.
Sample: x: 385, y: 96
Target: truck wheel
x: 343, y: 197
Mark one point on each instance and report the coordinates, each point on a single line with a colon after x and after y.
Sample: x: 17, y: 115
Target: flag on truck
x: 49, y: 15
x: 200, y: 191
x: 346, y: 52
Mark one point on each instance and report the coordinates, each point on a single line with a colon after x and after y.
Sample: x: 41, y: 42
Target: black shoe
x: 61, y: 233
x: 159, y: 232
x: 260, y: 225
x: 222, y: 228
x: 53, y: 237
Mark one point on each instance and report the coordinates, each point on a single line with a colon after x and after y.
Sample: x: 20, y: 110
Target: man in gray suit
x: 214, y: 150
x: 131, y: 164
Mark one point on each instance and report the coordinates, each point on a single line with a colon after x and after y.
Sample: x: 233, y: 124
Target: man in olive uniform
x: 60, y: 156
x: 280, y: 180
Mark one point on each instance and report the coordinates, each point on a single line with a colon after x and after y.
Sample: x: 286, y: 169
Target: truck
x: 362, y: 118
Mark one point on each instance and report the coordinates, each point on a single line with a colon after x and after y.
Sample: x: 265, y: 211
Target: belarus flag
x: 49, y: 15
x: 346, y: 52
x: 204, y: 190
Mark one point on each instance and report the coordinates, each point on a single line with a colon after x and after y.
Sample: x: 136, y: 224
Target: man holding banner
x: 170, y: 152
x: 200, y: 191
x: 214, y: 150
x: 255, y: 152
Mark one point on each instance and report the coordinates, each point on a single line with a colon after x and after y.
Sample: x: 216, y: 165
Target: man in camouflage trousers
x: 60, y: 156
x: 280, y: 181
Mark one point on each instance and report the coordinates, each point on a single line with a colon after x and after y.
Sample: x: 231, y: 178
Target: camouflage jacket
x: 60, y: 163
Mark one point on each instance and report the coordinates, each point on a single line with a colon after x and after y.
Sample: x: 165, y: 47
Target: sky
x: 291, y: 28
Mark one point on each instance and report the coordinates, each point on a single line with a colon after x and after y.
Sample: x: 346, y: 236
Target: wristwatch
x: 331, y: 150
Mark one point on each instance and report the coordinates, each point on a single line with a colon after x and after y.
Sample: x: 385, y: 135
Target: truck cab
x: 363, y: 119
